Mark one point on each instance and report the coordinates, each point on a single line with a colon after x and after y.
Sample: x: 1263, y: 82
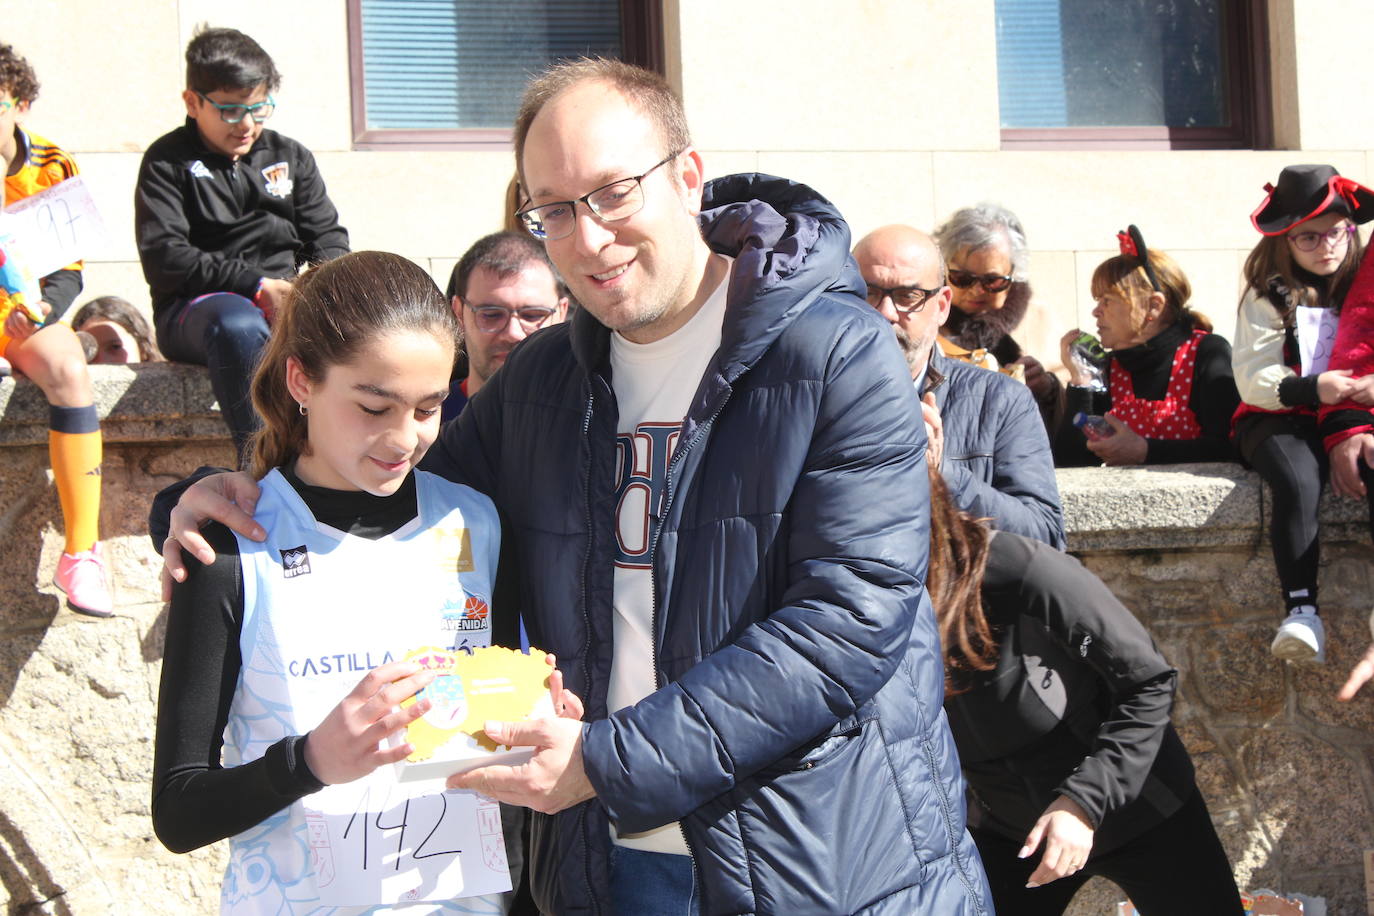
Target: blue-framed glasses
x: 233, y: 114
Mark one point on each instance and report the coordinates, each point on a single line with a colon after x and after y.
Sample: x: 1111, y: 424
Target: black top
x: 1077, y: 705
x: 205, y: 223
x: 1213, y: 400
x: 196, y: 800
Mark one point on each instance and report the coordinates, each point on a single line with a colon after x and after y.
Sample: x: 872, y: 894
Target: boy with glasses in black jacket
x: 225, y: 214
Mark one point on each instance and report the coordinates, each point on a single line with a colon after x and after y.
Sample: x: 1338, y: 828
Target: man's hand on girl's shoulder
x: 228, y: 498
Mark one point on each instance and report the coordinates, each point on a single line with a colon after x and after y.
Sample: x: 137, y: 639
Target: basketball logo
x: 475, y: 608
x: 466, y: 612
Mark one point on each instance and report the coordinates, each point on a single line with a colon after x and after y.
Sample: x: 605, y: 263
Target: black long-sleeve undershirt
x: 196, y: 800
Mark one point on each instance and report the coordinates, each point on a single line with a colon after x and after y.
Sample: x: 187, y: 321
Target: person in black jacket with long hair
x: 1059, y: 703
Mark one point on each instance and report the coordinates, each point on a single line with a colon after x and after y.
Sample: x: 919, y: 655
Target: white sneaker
x: 1301, y: 638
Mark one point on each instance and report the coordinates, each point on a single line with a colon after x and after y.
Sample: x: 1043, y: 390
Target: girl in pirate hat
x: 1296, y: 279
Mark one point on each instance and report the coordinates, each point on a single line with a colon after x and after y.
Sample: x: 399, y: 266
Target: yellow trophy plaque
x: 469, y: 690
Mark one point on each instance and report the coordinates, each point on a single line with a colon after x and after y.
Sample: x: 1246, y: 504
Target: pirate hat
x: 1305, y: 192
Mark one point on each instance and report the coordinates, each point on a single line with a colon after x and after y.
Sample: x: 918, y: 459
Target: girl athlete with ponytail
x: 365, y: 559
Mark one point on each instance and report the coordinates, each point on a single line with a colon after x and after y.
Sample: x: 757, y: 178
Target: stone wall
x: 1287, y: 771
x: 78, y: 695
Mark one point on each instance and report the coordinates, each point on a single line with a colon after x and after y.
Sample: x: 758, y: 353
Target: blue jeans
x: 652, y: 884
x: 226, y: 333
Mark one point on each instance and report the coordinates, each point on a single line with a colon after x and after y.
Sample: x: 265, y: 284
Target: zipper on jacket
x: 238, y: 184
x: 587, y: 552
x: 586, y: 627
x: 664, y: 503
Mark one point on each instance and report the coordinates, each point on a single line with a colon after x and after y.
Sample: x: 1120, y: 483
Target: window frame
x: 641, y: 36
x: 1250, y: 97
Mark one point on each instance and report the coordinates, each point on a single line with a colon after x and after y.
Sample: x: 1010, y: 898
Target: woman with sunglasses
x: 988, y: 258
x: 1296, y: 279
x: 1169, y: 393
x: 1059, y: 704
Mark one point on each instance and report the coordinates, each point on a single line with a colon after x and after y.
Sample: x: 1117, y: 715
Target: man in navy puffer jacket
x: 737, y: 595
x: 795, y: 732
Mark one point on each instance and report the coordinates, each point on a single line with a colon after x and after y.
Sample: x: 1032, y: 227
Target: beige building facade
x: 888, y: 107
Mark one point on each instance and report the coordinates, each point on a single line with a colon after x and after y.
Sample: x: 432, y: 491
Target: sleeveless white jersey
x: 321, y: 607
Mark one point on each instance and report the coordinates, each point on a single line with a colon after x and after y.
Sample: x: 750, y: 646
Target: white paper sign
x: 374, y: 841
x: 54, y: 227
x: 1316, y: 338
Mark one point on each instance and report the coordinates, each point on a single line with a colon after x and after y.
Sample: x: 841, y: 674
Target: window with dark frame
x: 448, y: 74
x: 1162, y: 74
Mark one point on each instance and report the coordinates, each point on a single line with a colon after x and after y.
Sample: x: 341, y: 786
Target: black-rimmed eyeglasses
x: 618, y: 200
x: 905, y: 299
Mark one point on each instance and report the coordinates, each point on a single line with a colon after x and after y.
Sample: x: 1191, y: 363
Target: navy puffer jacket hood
x: 797, y: 734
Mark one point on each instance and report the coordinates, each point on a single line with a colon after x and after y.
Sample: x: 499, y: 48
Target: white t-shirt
x: 654, y: 384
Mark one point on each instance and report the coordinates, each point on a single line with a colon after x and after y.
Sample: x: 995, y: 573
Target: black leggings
x: 1176, y: 868
x: 1288, y: 454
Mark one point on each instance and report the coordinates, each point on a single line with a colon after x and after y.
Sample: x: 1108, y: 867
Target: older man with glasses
x: 986, y: 437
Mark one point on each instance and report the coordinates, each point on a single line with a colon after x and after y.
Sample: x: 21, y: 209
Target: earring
x: 302, y: 408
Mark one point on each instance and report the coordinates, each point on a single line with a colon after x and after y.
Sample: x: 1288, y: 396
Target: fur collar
x: 986, y: 330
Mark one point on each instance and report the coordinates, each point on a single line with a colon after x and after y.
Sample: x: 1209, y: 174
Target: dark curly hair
x: 16, y: 75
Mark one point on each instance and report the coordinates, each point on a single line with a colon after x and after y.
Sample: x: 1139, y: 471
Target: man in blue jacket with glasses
x: 714, y: 477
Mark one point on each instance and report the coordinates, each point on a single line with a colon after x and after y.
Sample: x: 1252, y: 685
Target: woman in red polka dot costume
x: 1170, y: 392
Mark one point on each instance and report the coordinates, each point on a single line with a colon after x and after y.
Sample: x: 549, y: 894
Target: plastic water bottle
x: 1088, y: 356
x: 1094, y: 427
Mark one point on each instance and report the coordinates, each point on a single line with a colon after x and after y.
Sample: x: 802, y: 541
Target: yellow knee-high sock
x: 74, y: 449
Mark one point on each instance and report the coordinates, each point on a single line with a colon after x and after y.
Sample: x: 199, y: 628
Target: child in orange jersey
x: 36, y: 344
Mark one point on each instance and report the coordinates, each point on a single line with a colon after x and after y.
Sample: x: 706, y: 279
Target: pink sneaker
x: 82, y: 576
